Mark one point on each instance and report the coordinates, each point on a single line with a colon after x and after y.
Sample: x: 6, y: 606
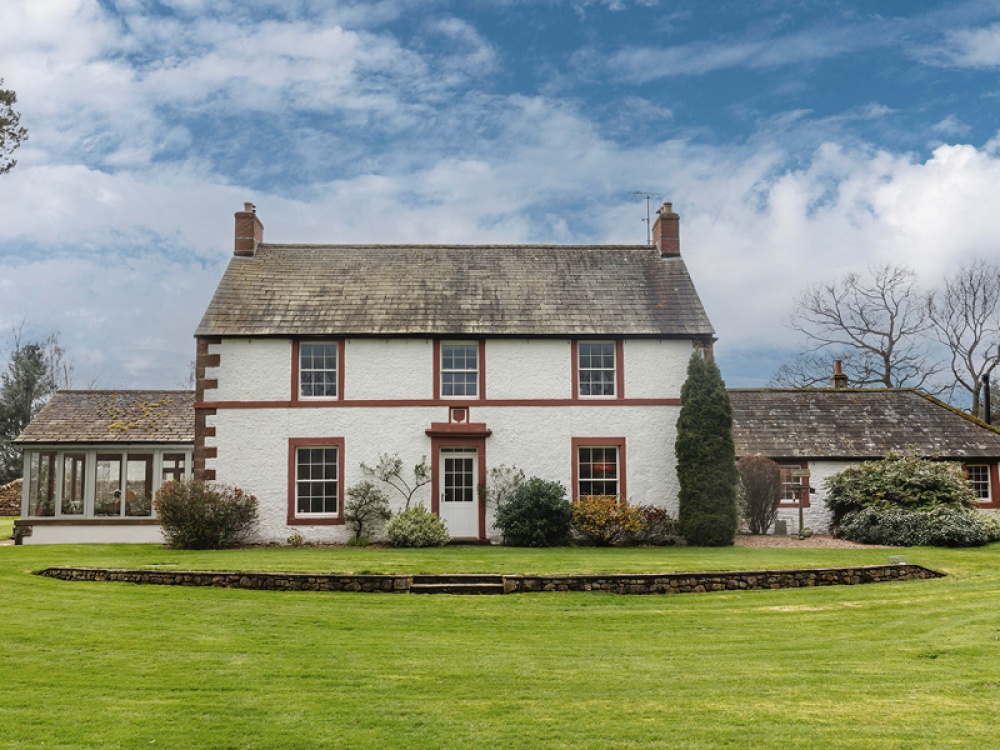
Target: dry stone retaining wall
x: 694, y: 583
x: 653, y: 583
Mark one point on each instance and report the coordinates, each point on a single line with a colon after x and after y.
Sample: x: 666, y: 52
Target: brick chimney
x: 249, y: 231
x: 839, y: 378
x: 667, y: 231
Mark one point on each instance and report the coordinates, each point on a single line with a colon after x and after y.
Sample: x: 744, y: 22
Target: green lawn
x: 6, y: 526
x: 904, y: 665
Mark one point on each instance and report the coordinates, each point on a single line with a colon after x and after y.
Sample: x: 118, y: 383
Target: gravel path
x: 816, y: 540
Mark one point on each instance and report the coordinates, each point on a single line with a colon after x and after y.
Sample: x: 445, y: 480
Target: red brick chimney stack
x: 839, y: 378
x: 249, y: 231
x: 667, y: 231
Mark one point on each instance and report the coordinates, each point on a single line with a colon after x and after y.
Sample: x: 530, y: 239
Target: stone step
x: 461, y: 578
x: 456, y: 587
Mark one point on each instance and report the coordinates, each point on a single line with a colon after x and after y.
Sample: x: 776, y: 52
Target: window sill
x: 317, y: 521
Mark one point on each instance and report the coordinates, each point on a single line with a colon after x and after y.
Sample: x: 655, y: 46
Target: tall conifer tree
x: 706, y: 457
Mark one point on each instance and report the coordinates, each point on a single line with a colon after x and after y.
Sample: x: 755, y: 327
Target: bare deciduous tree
x: 389, y: 470
x: 876, y: 324
x: 965, y: 314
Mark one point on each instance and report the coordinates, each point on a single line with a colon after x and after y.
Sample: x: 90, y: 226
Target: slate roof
x: 855, y: 424
x: 113, y: 417
x: 489, y: 290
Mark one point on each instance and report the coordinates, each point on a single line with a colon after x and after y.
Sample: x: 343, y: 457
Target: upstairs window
x: 318, y: 368
x: 597, y: 369
x: 459, y: 369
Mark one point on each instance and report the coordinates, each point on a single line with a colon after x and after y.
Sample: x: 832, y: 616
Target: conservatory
x: 93, y: 461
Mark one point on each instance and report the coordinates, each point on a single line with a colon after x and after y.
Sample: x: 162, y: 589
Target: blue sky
x: 798, y: 141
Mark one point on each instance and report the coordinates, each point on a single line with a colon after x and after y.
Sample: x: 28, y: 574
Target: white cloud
x: 643, y: 64
x: 118, y: 218
x: 951, y: 126
x: 968, y: 48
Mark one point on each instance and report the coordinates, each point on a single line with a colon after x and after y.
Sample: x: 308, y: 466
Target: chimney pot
x: 666, y: 231
x: 249, y: 231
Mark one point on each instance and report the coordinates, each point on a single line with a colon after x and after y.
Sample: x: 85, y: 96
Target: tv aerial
x: 649, y: 226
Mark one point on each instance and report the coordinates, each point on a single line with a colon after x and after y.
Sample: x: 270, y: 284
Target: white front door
x: 459, y: 506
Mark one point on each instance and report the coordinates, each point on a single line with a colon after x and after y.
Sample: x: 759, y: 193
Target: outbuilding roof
x: 484, y: 290
x: 855, y: 424
x: 113, y: 417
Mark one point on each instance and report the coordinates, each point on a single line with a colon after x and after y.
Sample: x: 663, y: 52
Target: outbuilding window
x: 979, y: 479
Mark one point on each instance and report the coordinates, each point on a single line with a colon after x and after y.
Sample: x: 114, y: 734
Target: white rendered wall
x: 253, y: 449
x: 94, y: 534
x: 403, y: 369
x: 378, y: 369
x: 655, y: 368
x: 252, y: 370
x: 529, y: 369
x: 817, y: 516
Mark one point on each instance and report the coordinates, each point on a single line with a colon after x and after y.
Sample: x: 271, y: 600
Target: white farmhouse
x: 564, y: 361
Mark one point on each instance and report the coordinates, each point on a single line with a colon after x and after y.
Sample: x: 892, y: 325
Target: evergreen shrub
x: 898, y: 481
x: 706, y: 457
x: 205, y: 515
x: 537, y: 514
x: 907, y: 500
x: 938, y: 526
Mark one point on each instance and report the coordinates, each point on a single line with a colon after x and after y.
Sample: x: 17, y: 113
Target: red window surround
x: 612, y: 442
x: 619, y: 371
x: 293, y: 518
x: 296, y: 398
x: 481, y: 395
x: 994, y: 486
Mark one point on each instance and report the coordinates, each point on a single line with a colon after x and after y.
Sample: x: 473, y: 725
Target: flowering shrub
x: 205, y: 515
x: 940, y: 526
x: 606, y: 520
x: 416, y: 527
x: 537, y: 514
